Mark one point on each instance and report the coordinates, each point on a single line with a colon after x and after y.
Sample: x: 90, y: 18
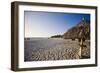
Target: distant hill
x: 57, y: 36
x: 74, y: 32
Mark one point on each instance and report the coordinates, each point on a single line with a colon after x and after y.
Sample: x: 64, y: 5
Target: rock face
x: 74, y: 32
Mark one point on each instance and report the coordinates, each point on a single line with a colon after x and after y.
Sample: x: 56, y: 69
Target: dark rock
x: 81, y: 30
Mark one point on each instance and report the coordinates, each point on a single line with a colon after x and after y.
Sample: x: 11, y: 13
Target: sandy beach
x: 43, y: 49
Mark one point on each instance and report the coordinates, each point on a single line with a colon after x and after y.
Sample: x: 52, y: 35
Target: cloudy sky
x: 46, y: 24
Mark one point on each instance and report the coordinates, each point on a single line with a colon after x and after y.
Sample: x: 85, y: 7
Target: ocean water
x: 42, y: 42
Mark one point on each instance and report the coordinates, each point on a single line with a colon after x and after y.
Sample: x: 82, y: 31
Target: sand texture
x: 41, y: 49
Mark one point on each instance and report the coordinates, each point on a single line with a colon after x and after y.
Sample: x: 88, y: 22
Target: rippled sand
x: 41, y: 49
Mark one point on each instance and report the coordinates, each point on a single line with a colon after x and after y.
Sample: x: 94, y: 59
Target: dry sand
x: 41, y: 49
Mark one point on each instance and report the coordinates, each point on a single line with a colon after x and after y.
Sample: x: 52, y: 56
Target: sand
x: 44, y: 49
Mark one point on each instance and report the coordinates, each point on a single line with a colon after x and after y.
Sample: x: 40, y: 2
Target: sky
x: 47, y: 24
